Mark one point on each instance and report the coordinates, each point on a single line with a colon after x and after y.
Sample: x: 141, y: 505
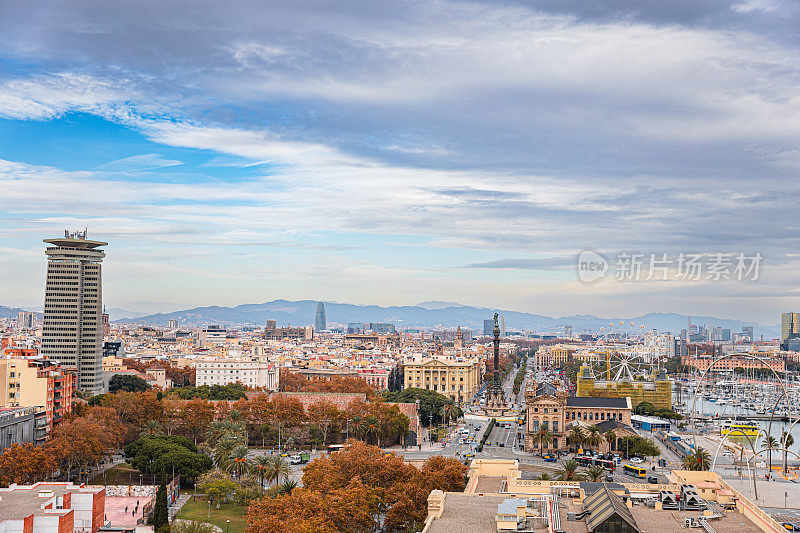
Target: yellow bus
x: 635, y: 471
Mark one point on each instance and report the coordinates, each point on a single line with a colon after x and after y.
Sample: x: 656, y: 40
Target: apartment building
x: 251, y: 372
x: 37, y: 382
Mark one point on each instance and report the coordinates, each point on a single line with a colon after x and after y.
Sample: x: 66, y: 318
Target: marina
x: 715, y: 405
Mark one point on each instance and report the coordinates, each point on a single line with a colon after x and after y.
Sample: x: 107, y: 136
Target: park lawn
x: 198, y: 511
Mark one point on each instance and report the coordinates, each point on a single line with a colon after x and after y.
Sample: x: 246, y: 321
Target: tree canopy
x: 231, y: 391
x: 159, y: 454
x: 127, y: 383
x: 353, y: 489
x: 431, y: 404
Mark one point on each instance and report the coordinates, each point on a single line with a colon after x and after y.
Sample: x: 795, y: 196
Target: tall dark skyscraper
x: 320, y: 323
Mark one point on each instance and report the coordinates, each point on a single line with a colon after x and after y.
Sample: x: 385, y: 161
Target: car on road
x: 501, y: 444
x: 550, y: 458
x: 295, y: 460
x: 652, y: 479
x: 636, y: 460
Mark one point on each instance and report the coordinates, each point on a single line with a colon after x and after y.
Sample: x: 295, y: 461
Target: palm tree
x: 152, y: 427
x: 577, y: 436
x: 770, y: 443
x: 288, y: 486
x: 261, y: 466
x: 279, y: 468
x: 786, y: 441
x: 238, y: 463
x: 222, y: 453
x: 569, y: 471
x: 595, y: 473
x: 698, y: 460
x: 611, y: 439
x: 593, y: 438
x: 545, y: 477
x: 542, y: 437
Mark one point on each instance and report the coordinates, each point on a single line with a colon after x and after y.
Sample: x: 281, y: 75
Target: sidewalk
x: 176, y: 507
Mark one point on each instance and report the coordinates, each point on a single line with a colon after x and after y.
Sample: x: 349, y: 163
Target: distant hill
x: 427, y: 315
x: 11, y: 312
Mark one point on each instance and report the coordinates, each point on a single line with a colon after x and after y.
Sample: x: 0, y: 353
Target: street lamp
x: 227, y: 526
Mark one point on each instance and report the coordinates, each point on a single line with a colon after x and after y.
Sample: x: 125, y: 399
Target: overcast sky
x: 394, y: 152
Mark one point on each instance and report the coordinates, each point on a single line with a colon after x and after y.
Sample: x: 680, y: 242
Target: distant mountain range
x: 11, y: 312
x: 429, y: 315
x: 114, y: 313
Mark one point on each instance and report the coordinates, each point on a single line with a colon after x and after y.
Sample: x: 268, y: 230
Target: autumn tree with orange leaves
x: 26, y: 463
x: 354, y: 490
x: 293, y: 382
x: 85, y: 440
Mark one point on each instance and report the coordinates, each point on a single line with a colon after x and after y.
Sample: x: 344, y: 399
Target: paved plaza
x: 115, y: 510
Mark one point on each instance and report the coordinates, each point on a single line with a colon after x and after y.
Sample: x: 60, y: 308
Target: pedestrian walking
x: 126, y: 509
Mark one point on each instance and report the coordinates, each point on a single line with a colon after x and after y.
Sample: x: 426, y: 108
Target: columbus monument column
x: 496, y: 401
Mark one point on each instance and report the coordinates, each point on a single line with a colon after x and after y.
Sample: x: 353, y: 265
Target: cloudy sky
x: 395, y: 152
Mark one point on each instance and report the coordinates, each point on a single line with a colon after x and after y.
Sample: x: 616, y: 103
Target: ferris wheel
x: 618, y: 344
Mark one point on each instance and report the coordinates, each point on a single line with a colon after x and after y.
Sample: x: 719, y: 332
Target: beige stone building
x: 552, y: 408
x: 455, y: 377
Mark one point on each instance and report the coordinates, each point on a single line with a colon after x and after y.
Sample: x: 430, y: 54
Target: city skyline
x: 453, y: 151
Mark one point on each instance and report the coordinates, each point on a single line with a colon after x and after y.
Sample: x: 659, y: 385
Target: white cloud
x: 46, y: 97
x: 136, y: 163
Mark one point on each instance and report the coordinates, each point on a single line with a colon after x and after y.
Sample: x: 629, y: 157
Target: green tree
x: 288, y: 486
x: 160, y: 517
x: 611, y: 439
x: 127, y: 383
x: 786, y: 441
x: 161, y: 454
x: 698, y: 460
x: 239, y: 464
x: 232, y: 391
x: 542, y: 437
x: 152, y: 427
x: 431, y: 404
x: 770, y: 443
x: 577, y: 436
x: 645, y: 448
x: 644, y: 408
x: 569, y: 471
x: 595, y: 473
x: 217, y: 485
x: 278, y: 468
x: 593, y: 438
